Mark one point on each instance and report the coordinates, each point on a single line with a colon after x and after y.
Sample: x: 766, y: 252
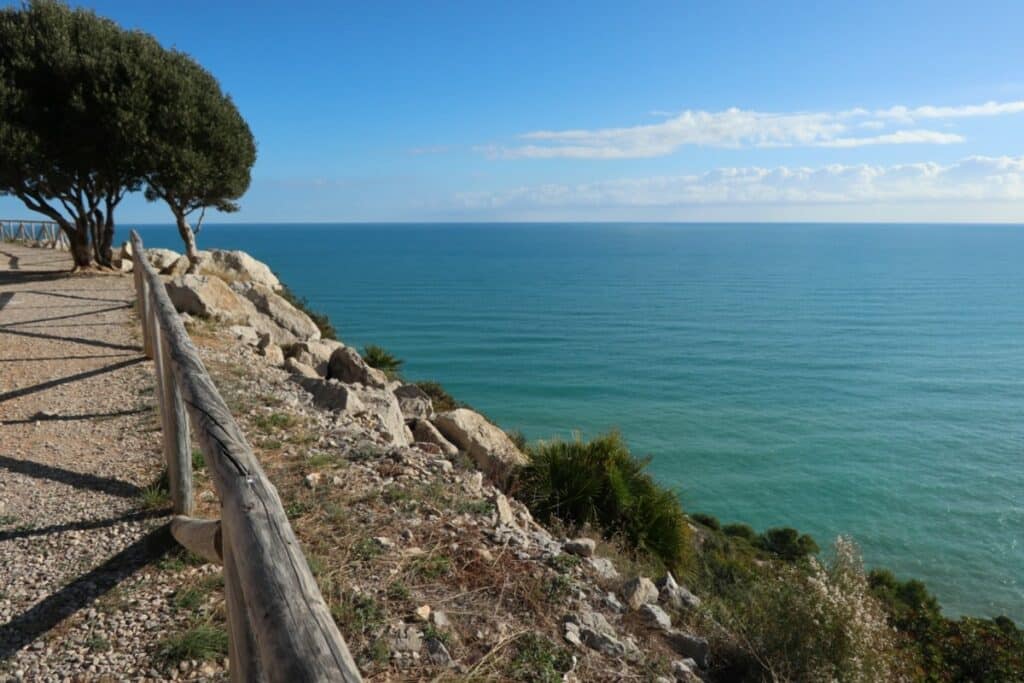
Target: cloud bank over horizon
x: 738, y: 128
x: 971, y: 179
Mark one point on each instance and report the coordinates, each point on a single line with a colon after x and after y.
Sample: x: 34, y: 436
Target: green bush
x: 599, y: 483
x: 710, y: 521
x: 788, y: 543
x: 744, y: 531
x: 380, y: 358
x: 321, y: 320
x: 441, y: 399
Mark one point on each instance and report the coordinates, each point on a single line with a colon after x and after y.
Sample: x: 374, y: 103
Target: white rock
x: 639, y: 591
x: 487, y: 444
x: 584, y: 547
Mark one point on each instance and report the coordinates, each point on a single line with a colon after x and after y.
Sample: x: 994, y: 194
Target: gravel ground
x: 86, y: 588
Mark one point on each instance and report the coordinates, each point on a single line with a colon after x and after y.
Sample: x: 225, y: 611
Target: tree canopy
x: 90, y: 112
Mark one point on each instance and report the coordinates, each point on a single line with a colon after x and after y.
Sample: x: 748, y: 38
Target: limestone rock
x: 437, y: 653
x: 161, y: 259
x: 415, y: 402
x: 505, y: 515
x: 584, y: 547
x: 245, y: 333
x: 330, y: 394
x: 604, y: 568
x: 315, y: 353
x: 381, y: 405
x: 405, y: 638
x: 273, y: 354
x: 207, y: 297
x: 346, y: 365
x: 313, y: 479
x: 673, y: 594
x: 487, y: 444
x: 236, y: 266
x: 301, y: 369
x: 638, y: 592
x: 290, y: 319
x: 655, y: 617
x: 422, y: 613
x: 694, y: 647
x: 683, y: 671
x: 426, y: 432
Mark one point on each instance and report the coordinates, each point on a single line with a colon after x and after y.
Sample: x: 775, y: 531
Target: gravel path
x: 86, y: 585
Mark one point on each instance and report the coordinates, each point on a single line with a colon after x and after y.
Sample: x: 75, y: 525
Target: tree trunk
x: 104, y: 249
x: 189, y: 238
x: 78, y: 241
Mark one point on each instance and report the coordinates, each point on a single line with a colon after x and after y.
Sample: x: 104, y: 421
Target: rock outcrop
x: 346, y: 365
x: 295, y: 325
x: 425, y: 432
x: 316, y: 353
x: 236, y: 266
x: 415, y: 402
x: 208, y: 297
x: 485, y: 443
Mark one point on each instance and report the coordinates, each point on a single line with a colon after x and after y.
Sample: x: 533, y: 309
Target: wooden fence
x: 42, y: 233
x: 279, y: 626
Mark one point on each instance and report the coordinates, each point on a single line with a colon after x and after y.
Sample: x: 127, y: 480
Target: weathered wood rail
x: 280, y: 628
x: 42, y: 233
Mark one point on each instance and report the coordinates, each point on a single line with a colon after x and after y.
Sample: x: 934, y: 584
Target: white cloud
x: 745, y: 128
x: 976, y: 178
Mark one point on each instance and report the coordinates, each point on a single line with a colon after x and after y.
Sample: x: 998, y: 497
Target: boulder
x: 346, y: 365
x: 299, y: 368
x: 236, y: 266
x: 161, y: 259
x: 381, y: 405
x: 488, y: 445
x: 604, y: 568
x: 273, y: 354
x: 415, y: 402
x: 245, y: 333
x: 683, y: 671
x: 426, y: 432
x: 179, y: 267
x: 280, y: 312
x: 330, y: 394
x: 655, y: 617
x: 674, y: 595
x: 126, y: 251
x: 638, y: 592
x: 316, y: 353
x: 693, y: 647
x: 584, y: 547
x: 208, y: 297
x: 504, y: 510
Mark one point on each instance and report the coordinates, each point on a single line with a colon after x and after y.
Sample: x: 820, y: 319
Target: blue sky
x: 613, y: 111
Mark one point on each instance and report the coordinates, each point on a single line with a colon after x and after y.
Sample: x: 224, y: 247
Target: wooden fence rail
x: 41, y: 233
x: 280, y: 628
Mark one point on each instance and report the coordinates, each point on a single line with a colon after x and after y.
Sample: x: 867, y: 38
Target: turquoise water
x: 843, y: 379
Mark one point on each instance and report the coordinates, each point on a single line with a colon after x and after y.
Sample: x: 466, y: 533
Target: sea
x: 864, y: 380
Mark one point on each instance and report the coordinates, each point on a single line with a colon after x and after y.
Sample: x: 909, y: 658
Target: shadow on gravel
x: 76, y: 297
x: 43, y: 386
x: 80, y: 314
x: 73, y: 340
x: 113, y: 487
x: 15, y: 277
x: 48, y: 417
x: 83, y: 591
x: 40, y: 359
x: 81, y: 525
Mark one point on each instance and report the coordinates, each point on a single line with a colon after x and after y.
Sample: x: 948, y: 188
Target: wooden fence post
x: 245, y: 662
x: 177, y: 444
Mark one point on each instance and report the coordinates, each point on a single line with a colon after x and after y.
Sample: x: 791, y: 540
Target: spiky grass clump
x: 600, y: 484
x: 380, y: 358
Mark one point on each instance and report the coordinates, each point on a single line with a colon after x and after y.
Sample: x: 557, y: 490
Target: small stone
x: 437, y: 653
x: 405, y: 638
x: 584, y: 547
x: 422, y: 613
x: 639, y: 591
x: 604, y: 568
x: 671, y: 593
x: 694, y: 647
x: 440, y: 619
x: 313, y: 479
x: 384, y: 542
x: 505, y: 515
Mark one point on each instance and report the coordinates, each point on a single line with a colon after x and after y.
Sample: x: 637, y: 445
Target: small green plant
x: 97, y: 643
x: 744, y: 531
x: 7, y: 519
x: 538, y: 660
x: 366, y: 549
x: 380, y: 358
x: 157, y: 495
x: 318, y: 460
x: 188, y: 599
x: 198, y: 460
x: 273, y: 422
x: 358, y: 614
x: 398, y: 591
x: 202, y: 642
x: 430, y: 567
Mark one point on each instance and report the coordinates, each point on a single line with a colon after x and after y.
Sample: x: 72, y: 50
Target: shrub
x: 744, y: 531
x: 815, y: 623
x: 788, y: 543
x: 710, y: 521
x: 599, y: 483
x: 380, y: 358
x: 441, y: 399
x: 321, y: 320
